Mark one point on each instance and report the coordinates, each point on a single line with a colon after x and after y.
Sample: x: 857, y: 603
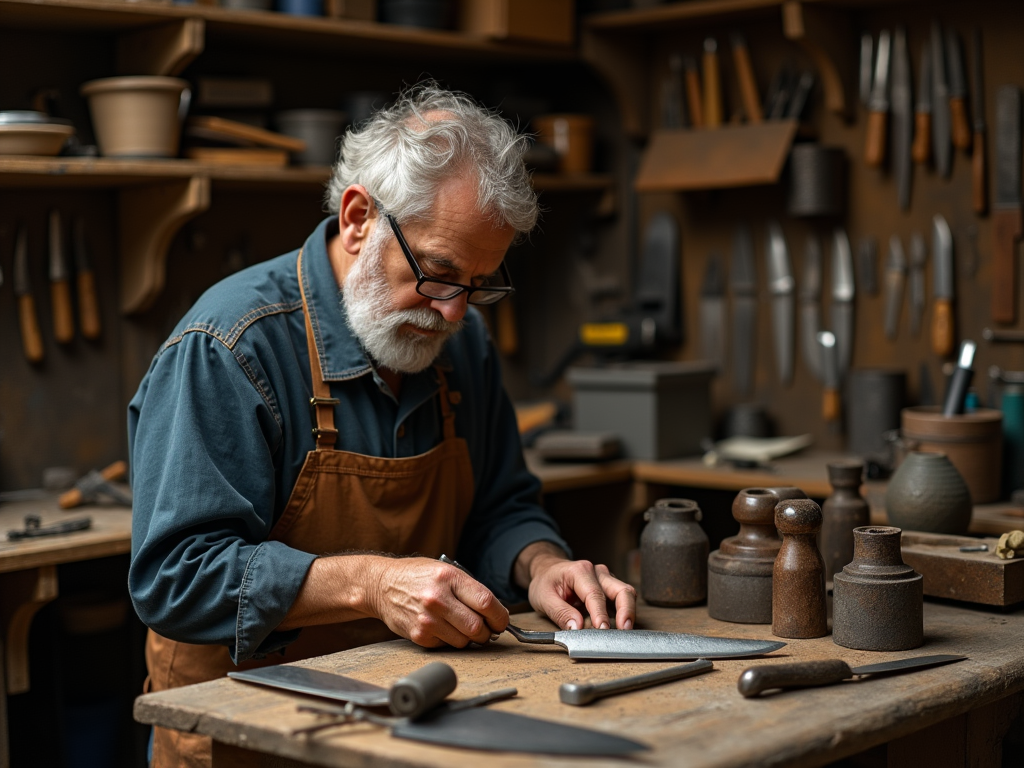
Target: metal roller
x: 422, y: 690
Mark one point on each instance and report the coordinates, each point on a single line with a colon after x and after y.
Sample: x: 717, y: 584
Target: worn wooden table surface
x: 700, y: 722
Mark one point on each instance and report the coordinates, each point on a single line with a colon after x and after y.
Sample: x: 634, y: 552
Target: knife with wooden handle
x: 1007, y: 220
x: 745, y: 73
x: 921, y: 150
x: 88, y: 304
x: 878, y: 104
x: 694, y: 100
x: 60, y: 284
x: 943, y: 332
x: 31, y: 336
x: 961, y: 128
x: 712, y: 85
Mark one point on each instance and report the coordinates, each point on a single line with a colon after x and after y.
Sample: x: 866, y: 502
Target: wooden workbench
x: 700, y: 722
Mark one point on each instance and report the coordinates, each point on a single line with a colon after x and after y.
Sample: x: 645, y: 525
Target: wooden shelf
x: 656, y: 19
x: 572, y: 182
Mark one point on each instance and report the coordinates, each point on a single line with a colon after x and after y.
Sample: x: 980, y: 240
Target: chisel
x: 88, y: 305
x: 60, y: 285
x: 31, y: 337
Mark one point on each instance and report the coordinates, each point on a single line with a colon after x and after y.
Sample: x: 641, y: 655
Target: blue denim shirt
x: 221, y: 425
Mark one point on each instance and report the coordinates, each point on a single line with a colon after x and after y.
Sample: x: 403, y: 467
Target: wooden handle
x: 961, y: 128
x: 74, y: 497
x: 508, y: 334
x: 115, y: 471
x: 63, y: 318
x: 979, y: 174
x: 766, y: 677
x: 1006, y: 230
x: 693, y: 98
x: 830, y: 404
x: 88, y: 306
x: 922, y: 148
x: 942, y: 328
x: 748, y: 85
x: 31, y: 337
x: 712, y: 91
x: 874, y: 143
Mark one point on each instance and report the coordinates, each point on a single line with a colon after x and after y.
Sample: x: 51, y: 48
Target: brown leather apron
x: 341, y: 501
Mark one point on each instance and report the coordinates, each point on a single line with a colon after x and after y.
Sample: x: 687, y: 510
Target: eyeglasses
x: 443, y: 290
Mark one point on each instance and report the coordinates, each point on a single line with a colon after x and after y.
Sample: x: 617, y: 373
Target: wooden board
x: 273, y: 158
x: 975, y: 577
x: 234, y: 132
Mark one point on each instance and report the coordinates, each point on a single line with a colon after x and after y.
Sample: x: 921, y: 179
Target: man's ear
x: 355, y: 218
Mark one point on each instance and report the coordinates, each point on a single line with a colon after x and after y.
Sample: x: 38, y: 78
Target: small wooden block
x: 277, y: 158
x: 974, y: 577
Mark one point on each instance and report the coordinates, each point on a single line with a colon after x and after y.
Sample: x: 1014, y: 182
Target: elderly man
x: 301, y: 457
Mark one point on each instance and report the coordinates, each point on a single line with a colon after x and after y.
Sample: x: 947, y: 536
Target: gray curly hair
x: 403, y: 152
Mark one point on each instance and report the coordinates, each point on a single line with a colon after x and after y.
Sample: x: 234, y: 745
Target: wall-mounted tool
x: 979, y: 174
x: 895, y: 277
x: 957, y: 92
x: 960, y: 380
x: 878, y: 104
x: 88, y: 304
x: 781, y: 286
x: 745, y: 74
x: 743, y: 285
x: 867, y: 266
x: 810, y: 306
x: 31, y: 336
x: 60, y: 284
x: 941, y: 127
x: 1007, y: 221
x: 694, y: 99
x: 867, y: 54
x: 902, y: 119
x: 922, y: 147
x: 95, y: 485
x: 581, y: 694
x: 712, y: 312
x: 673, y: 105
x: 712, y: 85
x: 842, y: 299
x: 918, y: 259
x: 943, y: 331
x: 830, y: 411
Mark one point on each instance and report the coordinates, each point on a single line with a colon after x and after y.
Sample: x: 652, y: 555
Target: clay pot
x: 927, y: 493
x: 136, y: 116
x: 673, y: 554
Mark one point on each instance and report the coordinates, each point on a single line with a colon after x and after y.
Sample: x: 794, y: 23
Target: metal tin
x: 673, y: 554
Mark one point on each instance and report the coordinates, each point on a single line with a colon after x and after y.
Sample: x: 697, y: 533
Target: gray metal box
x: 660, y: 410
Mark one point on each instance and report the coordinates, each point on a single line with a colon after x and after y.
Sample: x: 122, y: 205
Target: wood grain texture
x: 975, y: 577
x: 702, y: 721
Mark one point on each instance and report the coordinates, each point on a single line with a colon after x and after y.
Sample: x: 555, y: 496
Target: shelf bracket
x: 149, y: 219
x: 161, y: 50
x: 624, y: 65
x: 22, y: 594
x: 824, y: 34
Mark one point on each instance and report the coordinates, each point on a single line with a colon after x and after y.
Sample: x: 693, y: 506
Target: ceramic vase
x: 927, y: 493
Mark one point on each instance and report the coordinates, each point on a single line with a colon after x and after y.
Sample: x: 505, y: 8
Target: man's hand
x: 433, y: 603
x: 559, y: 586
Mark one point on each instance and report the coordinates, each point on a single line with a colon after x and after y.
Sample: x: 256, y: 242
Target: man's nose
x: 452, y: 310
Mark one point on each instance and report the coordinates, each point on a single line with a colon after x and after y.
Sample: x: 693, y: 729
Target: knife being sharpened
x: 756, y: 680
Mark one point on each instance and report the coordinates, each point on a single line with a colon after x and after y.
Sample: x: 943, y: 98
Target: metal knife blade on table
x: 941, y: 127
x: 1007, y: 217
x: 810, y: 306
x: 842, y: 299
x: 943, y: 330
x: 902, y: 119
x: 755, y: 680
x: 961, y: 128
x: 895, y: 278
x: 743, y: 285
x: 781, y: 286
x: 712, y: 312
x: 878, y: 104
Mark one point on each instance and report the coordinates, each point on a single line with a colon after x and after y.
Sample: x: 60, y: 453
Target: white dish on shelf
x: 33, y: 138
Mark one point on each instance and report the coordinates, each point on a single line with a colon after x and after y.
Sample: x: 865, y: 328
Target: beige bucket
x: 136, y: 116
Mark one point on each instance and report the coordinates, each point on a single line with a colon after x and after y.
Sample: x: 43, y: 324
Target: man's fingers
x: 560, y: 612
x: 587, y: 587
x: 623, y: 594
x: 478, y: 613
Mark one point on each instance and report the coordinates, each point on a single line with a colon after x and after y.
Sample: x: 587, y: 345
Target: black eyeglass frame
x: 506, y: 290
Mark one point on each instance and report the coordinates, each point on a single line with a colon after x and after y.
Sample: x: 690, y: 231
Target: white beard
x: 368, y: 308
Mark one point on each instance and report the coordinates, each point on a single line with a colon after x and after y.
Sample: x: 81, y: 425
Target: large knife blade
x: 895, y: 277
x: 957, y: 92
x: 810, y: 309
x: 941, y: 128
x: 918, y: 260
x: 878, y: 104
x: 765, y: 677
x: 902, y: 119
x: 978, y: 171
x: 842, y: 299
x: 943, y: 331
x: 315, y: 682
x: 922, y: 149
x: 635, y: 644
x: 743, y: 284
x: 712, y: 312
x: 781, y: 286
x: 1007, y: 219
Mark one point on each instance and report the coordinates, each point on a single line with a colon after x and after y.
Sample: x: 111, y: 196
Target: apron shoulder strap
x: 321, y: 402
x: 447, y: 398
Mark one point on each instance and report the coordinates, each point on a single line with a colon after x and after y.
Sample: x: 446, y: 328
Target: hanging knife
x: 712, y: 312
x: 781, y: 286
x: 942, y: 321
x: 810, y: 310
x: 743, y: 281
x: 712, y: 85
x: 867, y: 266
x: 1006, y: 208
x: 957, y: 92
x: 60, y: 287
x: 745, y: 74
x: 922, y: 149
x: 940, y: 104
x: 867, y: 54
x: 31, y: 337
x: 902, y: 119
x: 842, y: 299
x: 88, y: 305
x: 765, y: 677
x: 978, y: 171
x: 918, y: 259
x: 694, y: 100
x: 829, y: 376
x: 878, y: 104
x: 895, y: 277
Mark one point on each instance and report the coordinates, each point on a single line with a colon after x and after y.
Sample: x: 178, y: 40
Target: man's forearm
x: 532, y: 558
x: 336, y: 589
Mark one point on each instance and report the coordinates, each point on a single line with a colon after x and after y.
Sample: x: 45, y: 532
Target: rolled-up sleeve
x: 203, y: 435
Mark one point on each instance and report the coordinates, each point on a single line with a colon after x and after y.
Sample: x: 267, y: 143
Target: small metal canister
x: 673, y: 554
x: 878, y: 600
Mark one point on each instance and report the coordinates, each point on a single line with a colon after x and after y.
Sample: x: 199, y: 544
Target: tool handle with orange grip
x: 921, y: 150
x: 874, y: 142
x: 63, y: 317
x: 942, y: 328
x: 31, y: 336
x: 961, y: 128
x: 88, y: 306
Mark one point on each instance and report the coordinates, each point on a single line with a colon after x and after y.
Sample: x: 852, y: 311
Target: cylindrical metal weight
x: 422, y: 690
x: 673, y: 554
x: 874, y: 399
x: 817, y: 180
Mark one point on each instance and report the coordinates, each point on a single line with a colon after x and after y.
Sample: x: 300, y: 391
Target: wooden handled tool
x: 942, y: 328
x: 921, y: 150
x: 748, y: 85
x: 60, y: 285
x: 961, y: 128
x: 712, y: 85
x: 84, y: 488
x: 28, y: 319
x: 88, y: 304
x: 694, y: 100
x: 878, y: 104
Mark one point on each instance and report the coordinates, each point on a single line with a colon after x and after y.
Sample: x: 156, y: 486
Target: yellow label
x: 604, y: 334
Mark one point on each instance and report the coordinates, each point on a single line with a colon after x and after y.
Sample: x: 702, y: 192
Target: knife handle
x: 88, y: 305
x: 922, y: 148
x: 874, y: 143
x: 712, y: 90
x: 961, y: 128
x: 942, y: 328
x: 755, y: 680
x: 830, y: 404
x: 1007, y: 224
x: 581, y: 694
x: 31, y: 337
x: 63, y: 319
x: 694, y: 100
x: 748, y: 85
